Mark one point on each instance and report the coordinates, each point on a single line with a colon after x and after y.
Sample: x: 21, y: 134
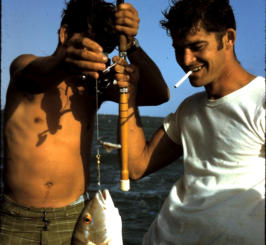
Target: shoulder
x: 256, y: 90
x: 256, y: 104
x: 186, y: 107
x: 258, y: 82
x: 196, y: 97
x: 20, y: 62
x: 193, y: 101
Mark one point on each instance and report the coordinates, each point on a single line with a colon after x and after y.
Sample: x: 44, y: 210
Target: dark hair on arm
x: 213, y: 15
x: 96, y: 18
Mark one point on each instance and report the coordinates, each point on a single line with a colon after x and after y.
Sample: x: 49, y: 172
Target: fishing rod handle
x: 123, y: 117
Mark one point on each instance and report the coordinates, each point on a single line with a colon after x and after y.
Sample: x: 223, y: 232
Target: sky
x: 30, y: 26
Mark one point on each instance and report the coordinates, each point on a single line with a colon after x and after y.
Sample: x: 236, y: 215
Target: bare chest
x: 60, y: 111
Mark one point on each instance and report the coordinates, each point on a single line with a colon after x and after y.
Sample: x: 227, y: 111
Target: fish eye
x: 87, y: 219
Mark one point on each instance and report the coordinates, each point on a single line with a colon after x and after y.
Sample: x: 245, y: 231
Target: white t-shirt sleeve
x: 172, y: 128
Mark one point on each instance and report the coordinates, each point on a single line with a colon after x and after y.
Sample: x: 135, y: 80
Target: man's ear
x: 63, y: 34
x: 230, y: 38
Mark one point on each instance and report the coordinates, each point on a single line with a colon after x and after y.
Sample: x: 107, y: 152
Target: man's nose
x: 189, y: 57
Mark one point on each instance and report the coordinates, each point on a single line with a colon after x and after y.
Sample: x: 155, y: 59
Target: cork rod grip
x: 123, y: 117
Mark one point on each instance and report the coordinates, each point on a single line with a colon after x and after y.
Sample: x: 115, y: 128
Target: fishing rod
x: 123, y: 117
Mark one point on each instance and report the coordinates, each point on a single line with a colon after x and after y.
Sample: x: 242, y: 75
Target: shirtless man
x: 49, y: 119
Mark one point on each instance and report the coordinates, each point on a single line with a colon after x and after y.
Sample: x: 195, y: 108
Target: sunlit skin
x: 49, y: 116
x: 215, y: 68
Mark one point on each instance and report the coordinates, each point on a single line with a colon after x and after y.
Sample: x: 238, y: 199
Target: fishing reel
x: 105, y: 80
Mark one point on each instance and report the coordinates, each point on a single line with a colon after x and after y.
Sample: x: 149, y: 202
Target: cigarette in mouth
x: 182, y: 79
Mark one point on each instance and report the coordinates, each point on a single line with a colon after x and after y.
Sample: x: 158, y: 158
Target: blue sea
x: 139, y: 206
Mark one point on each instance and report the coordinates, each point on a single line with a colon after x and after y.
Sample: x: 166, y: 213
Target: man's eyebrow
x: 189, y: 44
x: 202, y: 41
x: 197, y: 42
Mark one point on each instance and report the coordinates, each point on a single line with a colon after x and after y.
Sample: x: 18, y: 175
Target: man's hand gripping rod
x: 123, y: 117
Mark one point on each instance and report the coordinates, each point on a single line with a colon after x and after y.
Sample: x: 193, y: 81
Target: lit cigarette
x: 183, y: 79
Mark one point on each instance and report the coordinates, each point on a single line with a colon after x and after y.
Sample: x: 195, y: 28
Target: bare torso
x: 48, y: 139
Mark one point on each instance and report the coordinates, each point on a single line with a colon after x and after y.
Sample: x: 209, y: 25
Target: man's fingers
x: 126, y: 74
x: 119, y: 60
x: 127, y: 7
x: 93, y: 74
x: 85, y: 54
x: 80, y: 42
x: 86, y: 65
x: 122, y: 79
x: 80, y: 67
x: 127, y: 19
x: 127, y: 30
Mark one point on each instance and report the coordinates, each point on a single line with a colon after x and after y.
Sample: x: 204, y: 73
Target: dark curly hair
x: 213, y: 15
x: 95, y: 17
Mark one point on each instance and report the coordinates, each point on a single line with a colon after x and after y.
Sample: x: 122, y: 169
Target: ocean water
x: 139, y: 206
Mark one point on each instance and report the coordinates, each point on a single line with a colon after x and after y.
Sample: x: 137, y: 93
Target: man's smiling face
x: 200, y: 52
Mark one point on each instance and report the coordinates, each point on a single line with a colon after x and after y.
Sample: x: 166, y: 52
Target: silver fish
x: 108, y: 146
x: 99, y: 223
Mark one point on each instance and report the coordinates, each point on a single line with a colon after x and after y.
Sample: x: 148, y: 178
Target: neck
x: 232, y: 78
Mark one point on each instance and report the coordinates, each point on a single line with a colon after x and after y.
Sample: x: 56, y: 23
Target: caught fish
x: 99, y: 223
x: 109, y: 146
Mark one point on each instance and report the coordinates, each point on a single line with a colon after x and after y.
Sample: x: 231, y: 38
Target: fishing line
x: 98, y: 155
x: 108, y: 146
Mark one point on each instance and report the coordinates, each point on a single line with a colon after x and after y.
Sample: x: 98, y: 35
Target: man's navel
x: 38, y: 120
